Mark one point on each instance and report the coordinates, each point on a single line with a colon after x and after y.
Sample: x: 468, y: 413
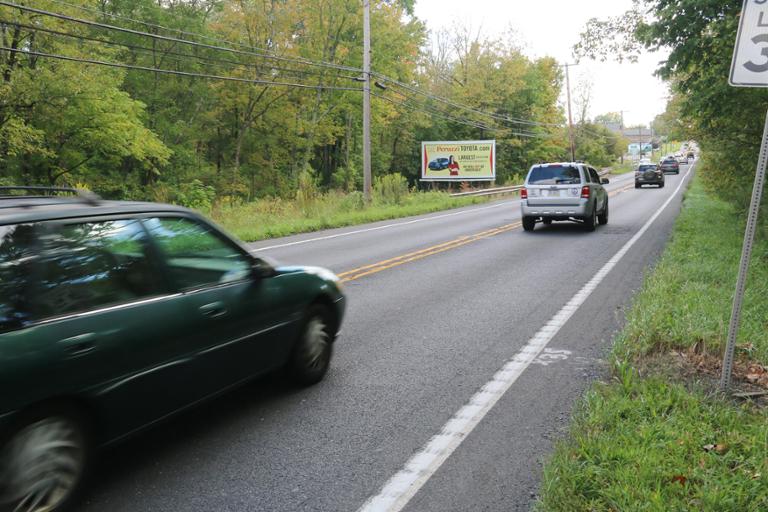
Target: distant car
x: 571, y: 191
x: 670, y: 165
x: 648, y: 174
x: 691, y: 156
x: 115, y: 315
x: 438, y: 164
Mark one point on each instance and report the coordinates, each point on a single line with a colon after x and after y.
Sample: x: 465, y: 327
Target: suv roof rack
x: 86, y: 196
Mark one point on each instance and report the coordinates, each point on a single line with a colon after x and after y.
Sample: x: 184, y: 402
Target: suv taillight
x: 523, y: 193
x: 585, y: 192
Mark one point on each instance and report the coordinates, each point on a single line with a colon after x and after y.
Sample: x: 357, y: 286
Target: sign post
x: 749, y: 68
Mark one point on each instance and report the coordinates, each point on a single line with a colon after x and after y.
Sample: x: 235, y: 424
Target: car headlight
x: 325, y: 275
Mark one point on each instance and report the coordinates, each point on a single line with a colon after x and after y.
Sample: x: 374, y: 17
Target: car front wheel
x: 43, y: 463
x: 311, y: 355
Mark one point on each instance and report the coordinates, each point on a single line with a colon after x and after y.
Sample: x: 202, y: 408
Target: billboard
x: 465, y: 160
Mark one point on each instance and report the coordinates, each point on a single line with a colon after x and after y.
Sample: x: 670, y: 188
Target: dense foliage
x: 699, y: 34
x: 174, y: 135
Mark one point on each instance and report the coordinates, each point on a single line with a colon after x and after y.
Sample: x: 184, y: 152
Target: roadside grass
x: 647, y: 444
x: 274, y: 217
x: 655, y: 440
x: 620, y: 168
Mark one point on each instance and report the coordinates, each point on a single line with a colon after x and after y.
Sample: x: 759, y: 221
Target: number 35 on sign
x: 749, y: 67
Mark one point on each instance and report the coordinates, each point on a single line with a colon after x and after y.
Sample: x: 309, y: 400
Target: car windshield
x: 554, y: 175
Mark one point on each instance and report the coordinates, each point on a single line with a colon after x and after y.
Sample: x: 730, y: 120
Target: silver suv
x: 570, y: 191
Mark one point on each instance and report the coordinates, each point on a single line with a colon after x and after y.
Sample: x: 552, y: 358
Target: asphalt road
x: 437, y: 305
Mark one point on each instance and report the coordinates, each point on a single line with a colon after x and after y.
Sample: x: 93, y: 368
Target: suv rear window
x: 644, y: 168
x: 554, y: 175
x: 669, y: 161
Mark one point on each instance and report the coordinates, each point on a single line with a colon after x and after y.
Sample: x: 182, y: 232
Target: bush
x: 307, y: 192
x: 390, y: 189
x: 347, y: 179
x: 352, y: 201
x: 196, y: 195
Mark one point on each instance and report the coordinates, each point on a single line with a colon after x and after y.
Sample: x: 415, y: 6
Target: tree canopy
x: 237, y: 98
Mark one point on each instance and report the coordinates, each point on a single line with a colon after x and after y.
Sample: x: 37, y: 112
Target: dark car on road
x: 438, y: 164
x: 648, y: 174
x: 115, y: 315
x: 670, y: 165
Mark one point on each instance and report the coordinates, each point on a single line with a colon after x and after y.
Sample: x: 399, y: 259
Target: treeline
x: 238, y: 99
x: 726, y: 121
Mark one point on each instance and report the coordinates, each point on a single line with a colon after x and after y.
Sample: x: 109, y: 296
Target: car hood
x: 322, y: 273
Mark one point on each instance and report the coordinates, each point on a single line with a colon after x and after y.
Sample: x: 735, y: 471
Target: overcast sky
x: 552, y: 27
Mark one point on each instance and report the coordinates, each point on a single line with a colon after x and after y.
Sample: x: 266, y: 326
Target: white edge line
x: 399, y: 490
x: 387, y: 226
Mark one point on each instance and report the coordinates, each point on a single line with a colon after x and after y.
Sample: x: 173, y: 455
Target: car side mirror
x: 604, y: 181
x: 260, y: 269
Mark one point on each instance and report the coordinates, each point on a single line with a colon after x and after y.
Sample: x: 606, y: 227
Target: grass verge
x: 624, y: 168
x: 656, y: 437
x: 271, y: 218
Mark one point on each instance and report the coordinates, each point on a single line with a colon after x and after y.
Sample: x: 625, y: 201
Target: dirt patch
x: 696, y: 367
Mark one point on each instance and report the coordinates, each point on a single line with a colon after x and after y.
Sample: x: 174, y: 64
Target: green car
x: 115, y: 315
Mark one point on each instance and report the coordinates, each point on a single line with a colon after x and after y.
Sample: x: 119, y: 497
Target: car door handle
x: 80, y: 344
x: 213, y: 310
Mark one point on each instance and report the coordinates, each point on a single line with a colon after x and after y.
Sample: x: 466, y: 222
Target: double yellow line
x: 366, y: 270
x: 374, y: 268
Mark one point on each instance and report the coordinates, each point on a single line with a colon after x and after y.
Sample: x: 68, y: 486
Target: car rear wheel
x: 590, y: 221
x: 311, y: 356
x: 661, y: 185
x: 637, y: 185
x: 529, y: 223
x: 43, y: 463
x: 603, y: 217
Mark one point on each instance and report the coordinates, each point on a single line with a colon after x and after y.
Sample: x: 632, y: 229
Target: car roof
x: 573, y: 164
x: 22, y: 209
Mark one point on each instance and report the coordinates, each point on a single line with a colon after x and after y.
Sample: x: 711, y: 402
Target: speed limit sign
x: 749, y: 67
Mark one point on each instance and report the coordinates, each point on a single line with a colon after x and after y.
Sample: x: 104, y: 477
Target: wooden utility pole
x: 570, y: 118
x: 367, y: 101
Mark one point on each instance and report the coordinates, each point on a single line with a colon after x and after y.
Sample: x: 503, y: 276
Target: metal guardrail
x: 505, y: 190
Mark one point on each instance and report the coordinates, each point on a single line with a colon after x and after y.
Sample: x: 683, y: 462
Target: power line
x: 477, y: 124
x: 91, y: 23
x: 161, y: 27
x: 452, y: 103
x: 503, y: 118
x: 179, y: 73
x: 439, y: 114
x: 148, y: 50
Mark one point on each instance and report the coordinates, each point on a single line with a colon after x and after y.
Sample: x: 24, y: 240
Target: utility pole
x: 570, y: 117
x: 367, y: 101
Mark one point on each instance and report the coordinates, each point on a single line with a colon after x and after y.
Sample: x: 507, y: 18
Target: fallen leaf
x: 679, y: 479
